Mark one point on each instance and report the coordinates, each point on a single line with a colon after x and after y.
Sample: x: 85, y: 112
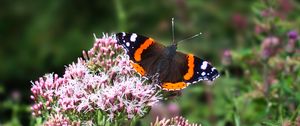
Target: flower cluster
x: 269, y: 47
x: 175, y: 121
x: 101, y: 86
x: 59, y: 120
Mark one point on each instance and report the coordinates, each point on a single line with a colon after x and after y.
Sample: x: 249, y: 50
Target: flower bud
x: 293, y: 35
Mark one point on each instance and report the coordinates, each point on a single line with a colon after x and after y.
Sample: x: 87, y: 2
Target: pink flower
x: 45, y: 90
x: 124, y: 95
x: 102, y: 82
x: 175, y: 121
x: 173, y: 109
x: 60, y: 120
x: 226, y: 57
x: 269, y: 47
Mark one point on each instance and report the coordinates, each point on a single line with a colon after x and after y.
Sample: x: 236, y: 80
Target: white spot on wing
x: 127, y: 44
x: 123, y: 33
x: 203, y: 73
x: 204, y: 65
x: 133, y: 37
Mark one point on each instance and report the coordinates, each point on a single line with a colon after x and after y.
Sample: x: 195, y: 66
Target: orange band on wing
x: 144, y: 46
x: 173, y: 86
x: 138, y: 68
x: 191, y: 65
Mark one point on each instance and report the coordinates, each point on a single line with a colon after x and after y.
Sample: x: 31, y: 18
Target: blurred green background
x: 255, y: 88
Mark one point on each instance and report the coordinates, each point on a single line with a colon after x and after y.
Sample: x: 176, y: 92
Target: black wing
x: 203, y: 71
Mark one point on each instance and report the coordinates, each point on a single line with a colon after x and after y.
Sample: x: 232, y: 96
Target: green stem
x: 98, y: 117
x: 133, y: 122
x: 265, y: 78
x: 121, y: 15
x: 296, y: 113
x: 236, y: 116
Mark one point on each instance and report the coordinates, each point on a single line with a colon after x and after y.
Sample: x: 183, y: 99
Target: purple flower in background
x: 239, y: 21
x: 269, y: 47
x: 293, y: 38
x: 103, y: 82
x: 293, y: 35
x: 285, y: 6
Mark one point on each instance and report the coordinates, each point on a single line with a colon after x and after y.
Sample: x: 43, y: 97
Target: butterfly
x: 176, y: 70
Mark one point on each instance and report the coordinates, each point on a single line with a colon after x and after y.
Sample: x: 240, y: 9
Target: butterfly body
x: 175, y: 70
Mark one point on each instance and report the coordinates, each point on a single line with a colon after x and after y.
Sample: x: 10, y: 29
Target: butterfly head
x: 171, y: 50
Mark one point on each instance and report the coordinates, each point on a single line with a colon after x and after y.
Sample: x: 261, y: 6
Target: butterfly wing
x: 132, y: 43
x: 193, y: 69
x: 173, y: 76
x: 202, y: 71
x: 149, y: 57
x: 143, y: 51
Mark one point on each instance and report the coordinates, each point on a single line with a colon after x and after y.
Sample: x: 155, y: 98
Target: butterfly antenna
x: 173, y: 31
x: 191, y: 37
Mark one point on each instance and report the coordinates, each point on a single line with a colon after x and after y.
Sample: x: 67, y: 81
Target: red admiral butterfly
x: 175, y: 70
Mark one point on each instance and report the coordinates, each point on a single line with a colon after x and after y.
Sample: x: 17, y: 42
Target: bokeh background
x: 254, y: 44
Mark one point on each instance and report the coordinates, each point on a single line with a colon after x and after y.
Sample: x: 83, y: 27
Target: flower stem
x: 265, y: 78
x: 121, y: 15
